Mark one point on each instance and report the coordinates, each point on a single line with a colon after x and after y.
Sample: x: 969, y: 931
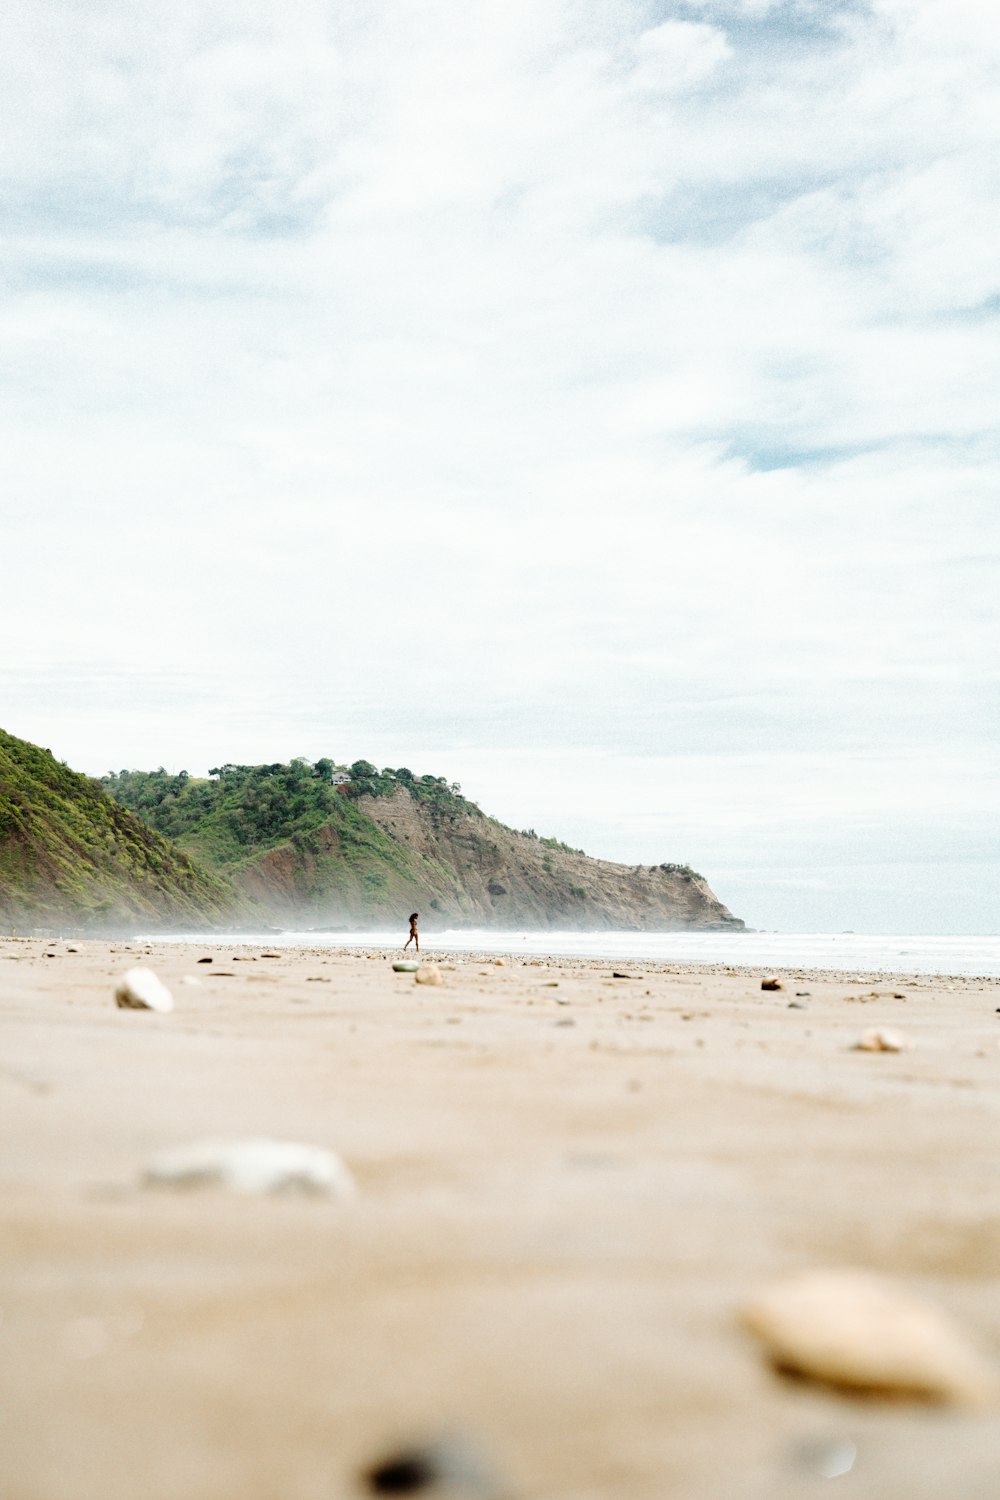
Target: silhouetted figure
x: 414, y: 936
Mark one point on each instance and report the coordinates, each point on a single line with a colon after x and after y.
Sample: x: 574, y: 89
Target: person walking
x: 414, y: 936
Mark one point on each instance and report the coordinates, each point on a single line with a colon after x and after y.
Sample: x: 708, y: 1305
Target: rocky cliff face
x: 500, y: 878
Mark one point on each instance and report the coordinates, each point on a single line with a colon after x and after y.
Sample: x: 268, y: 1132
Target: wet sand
x: 567, y: 1183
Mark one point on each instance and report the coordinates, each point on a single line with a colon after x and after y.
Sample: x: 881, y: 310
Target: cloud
x: 506, y: 380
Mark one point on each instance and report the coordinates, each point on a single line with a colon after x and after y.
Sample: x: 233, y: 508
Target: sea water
x: 843, y: 952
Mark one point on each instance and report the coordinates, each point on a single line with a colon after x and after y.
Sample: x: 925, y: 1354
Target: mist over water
x: 843, y: 952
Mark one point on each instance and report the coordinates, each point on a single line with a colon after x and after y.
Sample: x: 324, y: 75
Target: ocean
x: 846, y: 952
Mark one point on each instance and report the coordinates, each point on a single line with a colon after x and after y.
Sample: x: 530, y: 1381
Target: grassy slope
x: 68, y: 851
x: 290, y: 839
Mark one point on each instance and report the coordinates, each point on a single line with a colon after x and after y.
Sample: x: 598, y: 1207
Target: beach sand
x: 568, y: 1183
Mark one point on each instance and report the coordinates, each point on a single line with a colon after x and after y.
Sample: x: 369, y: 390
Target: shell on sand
x: 860, y: 1332
x: 141, y: 989
x: 249, y: 1166
x: 883, y: 1039
x: 428, y: 974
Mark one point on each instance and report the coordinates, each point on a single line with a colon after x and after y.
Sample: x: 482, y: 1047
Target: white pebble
x: 883, y: 1039
x: 252, y: 1166
x: 855, y: 1330
x: 141, y: 989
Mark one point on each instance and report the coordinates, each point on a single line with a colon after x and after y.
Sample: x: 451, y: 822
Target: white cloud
x: 499, y: 375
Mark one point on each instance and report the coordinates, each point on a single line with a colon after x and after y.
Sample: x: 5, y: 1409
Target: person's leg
x: 409, y: 940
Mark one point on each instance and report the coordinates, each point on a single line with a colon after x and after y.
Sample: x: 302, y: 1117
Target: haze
x: 593, y: 403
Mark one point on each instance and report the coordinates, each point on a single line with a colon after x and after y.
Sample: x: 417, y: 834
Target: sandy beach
x: 567, y: 1185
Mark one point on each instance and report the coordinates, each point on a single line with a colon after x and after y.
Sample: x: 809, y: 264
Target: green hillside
x: 326, y: 845
x: 70, y: 853
x: 292, y: 837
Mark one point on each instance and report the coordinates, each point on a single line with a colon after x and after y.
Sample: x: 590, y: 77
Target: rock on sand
x: 428, y: 974
x: 860, y: 1332
x: 141, y: 989
x: 252, y: 1166
x: 883, y: 1039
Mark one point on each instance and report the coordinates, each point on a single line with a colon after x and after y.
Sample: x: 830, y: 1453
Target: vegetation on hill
x: 325, y: 843
x: 292, y: 836
x: 68, y: 851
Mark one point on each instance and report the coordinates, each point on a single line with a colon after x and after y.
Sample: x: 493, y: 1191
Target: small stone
x: 206, y: 960
x: 772, y: 982
x: 803, y: 993
x: 617, y: 974
x: 883, y: 1039
x: 859, y: 1332
x: 252, y: 1166
x: 796, y: 1005
x: 499, y: 963
x: 405, y: 966
x: 447, y: 1467
x: 141, y: 989
x: 190, y: 979
x: 428, y: 974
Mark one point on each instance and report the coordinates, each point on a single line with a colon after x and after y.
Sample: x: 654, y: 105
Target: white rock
x: 883, y: 1039
x: 250, y: 1166
x: 855, y: 1330
x: 141, y: 989
x: 428, y: 974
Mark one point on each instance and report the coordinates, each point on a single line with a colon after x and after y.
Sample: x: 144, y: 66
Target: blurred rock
x: 883, y: 1039
x: 860, y: 1332
x: 447, y: 1467
x: 428, y: 974
x: 252, y: 1166
x: 141, y: 989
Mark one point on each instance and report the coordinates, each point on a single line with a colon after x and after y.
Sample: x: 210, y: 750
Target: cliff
x: 502, y: 878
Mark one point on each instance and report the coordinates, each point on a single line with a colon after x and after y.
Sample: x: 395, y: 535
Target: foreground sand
x: 567, y: 1184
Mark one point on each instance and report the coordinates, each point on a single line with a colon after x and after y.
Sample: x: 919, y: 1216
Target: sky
x: 592, y: 401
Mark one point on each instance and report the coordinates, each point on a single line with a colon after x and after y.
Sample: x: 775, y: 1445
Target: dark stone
x: 206, y: 960
x: 447, y: 1467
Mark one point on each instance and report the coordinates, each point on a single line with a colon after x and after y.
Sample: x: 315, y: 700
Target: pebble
x: 883, y: 1039
x: 251, y: 1166
x: 772, y: 982
x: 796, y: 1005
x: 447, y: 1466
x: 428, y: 974
x: 405, y: 966
x: 141, y: 989
x: 860, y: 1332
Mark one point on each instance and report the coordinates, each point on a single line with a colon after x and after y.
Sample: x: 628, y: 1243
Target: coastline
x: 567, y: 1183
